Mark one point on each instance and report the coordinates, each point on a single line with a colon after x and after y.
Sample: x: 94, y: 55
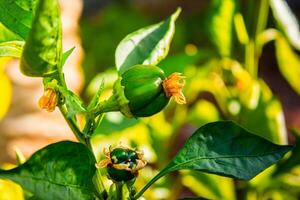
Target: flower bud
x: 49, y: 100
x: 122, y: 163
x: 144, y: 90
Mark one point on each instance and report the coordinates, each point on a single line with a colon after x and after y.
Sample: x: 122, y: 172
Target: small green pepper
x: 122, y: 163
x: 144, y: 90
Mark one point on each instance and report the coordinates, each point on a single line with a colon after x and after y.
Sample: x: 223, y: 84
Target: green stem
x: 97, y: 180
x: 86, y: 141
x: 262, y: 16
x: 253, y: 50
x: 153, y: 180
x: 72, y: 124
x: 250, y: 59
x: 119, y: 190
x: 107, y: 106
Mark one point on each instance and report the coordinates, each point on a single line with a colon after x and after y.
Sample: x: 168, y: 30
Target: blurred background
x: 241, y: 62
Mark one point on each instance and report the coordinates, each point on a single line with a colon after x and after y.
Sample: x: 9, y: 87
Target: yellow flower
x: 173, y: 85
x: 49, y: 100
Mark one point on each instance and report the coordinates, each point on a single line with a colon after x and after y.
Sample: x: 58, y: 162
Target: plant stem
x: 86, y: 141
x: 253, y: 49
x: 99, y: 185
x: 153, y: 180
x: 107, y: 106
x: 119, y: 190
x: 262, y: 16
x: 251, y: 60
x: 72, y: 125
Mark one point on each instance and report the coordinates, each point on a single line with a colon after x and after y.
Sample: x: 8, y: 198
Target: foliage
x: 67, y: 169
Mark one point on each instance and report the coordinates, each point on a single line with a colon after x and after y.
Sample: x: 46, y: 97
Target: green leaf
x: 17, y: 15
x: 221, y: 25
x: 73, y: 103
x: 286, y: 21
x: 11, y: 49
x: 63, y: 170
x: 43, y: 49
x: 293, y: 160
x: 288, y: 62
x: 96, y: 98
x: 147, y: 46
x: 226, y: 149
x: 66, y: 55
x: 7, y: 35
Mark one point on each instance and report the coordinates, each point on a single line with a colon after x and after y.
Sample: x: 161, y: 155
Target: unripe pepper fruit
x: 143, y: 88
x: 122, y: 163
x: 142, y: 91
x: 120, y: 156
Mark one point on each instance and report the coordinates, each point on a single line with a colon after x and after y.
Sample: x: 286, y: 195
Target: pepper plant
x: 70, y: 170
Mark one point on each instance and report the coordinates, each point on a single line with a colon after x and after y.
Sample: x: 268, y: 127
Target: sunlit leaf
x: 221, y: 25
x: 63, y: 170
x: 209, y: 185
x: 17, y: 15
x: 288, y: 62
x: 267, y: 118
x: 42, y: 52
x: 202, y: 113
x: 146, y: 46
x: 66, y: 55
x: 7, y: 35
x: 240, y: 28
x: 226, y: 149
x: 287, y: 21
x: 11, y: 49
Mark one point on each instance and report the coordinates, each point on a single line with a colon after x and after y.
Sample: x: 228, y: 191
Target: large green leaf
x: 147, y: 46
x: 17, y: 15
x: 226, y: 149
x: 43, y: 49
x: 288, y: 62
x: 221, y: 25
x: 286, y: 21
x: 63, y: 170
x: 11, y: 49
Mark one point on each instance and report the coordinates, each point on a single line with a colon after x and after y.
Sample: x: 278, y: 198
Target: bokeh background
x: 211, y: 49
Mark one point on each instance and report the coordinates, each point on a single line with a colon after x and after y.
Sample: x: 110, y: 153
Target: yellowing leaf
x: 287, y: 21
x: 221, y: 24
x: 288, y: 62
x: 209, y: 185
